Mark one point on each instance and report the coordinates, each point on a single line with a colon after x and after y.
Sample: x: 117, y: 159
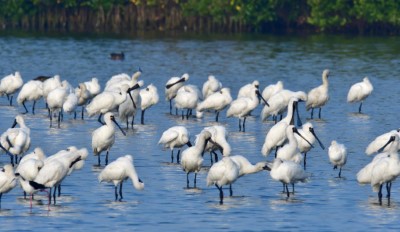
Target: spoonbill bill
x: 172, y: 86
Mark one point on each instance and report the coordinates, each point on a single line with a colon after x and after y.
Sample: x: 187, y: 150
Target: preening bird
x: 175, y: 137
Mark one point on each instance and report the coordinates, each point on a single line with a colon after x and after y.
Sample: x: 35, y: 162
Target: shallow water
x: 323, y: 203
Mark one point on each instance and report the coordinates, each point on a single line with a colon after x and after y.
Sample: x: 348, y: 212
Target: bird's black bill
x: 297, y: 132
x: 319, y: 141
x: 172, y: 84
x: 392, y: 138
x: 116, y: 123
x: 261, y: 97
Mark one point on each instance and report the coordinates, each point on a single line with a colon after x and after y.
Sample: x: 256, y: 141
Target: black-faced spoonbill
x: 318, y: 96
x: 383, y: 169
x: 30, y: 91
x: 337, y: 153
x: 149, y: 97
x: 172, y: 86
x: 175, y: 137
x: 217, y: 101
x: 308, y: 132
x: 16, y: 140
x: 10, y: 84
x: 219, y: 135
x: 119, y: 170
x: 243, y: 106
x: 380, y: 141
x: 359, y: 92
x: 103, y: 137
x: 287, y: 172
x: 8, y: 180
x: 192, y: 157
x: 271, y: 90
x: 212, y: 85
x: 246, y: 90
x: 187, y: 98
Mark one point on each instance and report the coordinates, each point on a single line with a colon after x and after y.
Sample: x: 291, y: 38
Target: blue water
x: 324, y: 203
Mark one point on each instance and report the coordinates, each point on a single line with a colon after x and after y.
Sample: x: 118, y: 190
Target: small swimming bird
x: 318, y: 96
x: 103, y: 138
x: 243, y: 106
x: 175, y: 137
x: 212, y: 85
x: 8, y: 181
x: 380, y: 141
x: 383, y: 169
x: 359, y: 92
x: 287, y: 172
x: 10, y: 84
x: 217, y: 101
x: 271, y: 90
x: 30, y: 91
x: 192, y: 157
x: 308, y: 132
x: 149, y: 97
x: 172, y: 86
x: 117, y: 56
x: 16, y: 140
x: 119, y: 170
x: 337, y: 155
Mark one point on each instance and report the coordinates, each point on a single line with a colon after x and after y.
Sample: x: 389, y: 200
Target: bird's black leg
x: 142, y: 118
x: 240, y: 124
x: 221, y: 194
x: 216, y: 117
x: 319, y: 112
x: 107, y: 157
x: 195, y: 177
x: 187, y: 180
x: 312, y: 113
x: 54, y: 194
x: 304, y: 161
x: 340, y: 172
x: 380, y: 195
x: 116, y: 192
x: 59, y: 190
x: 120, y: 191
x: 172, y: 156
x: 359, y: 108
x: 230, y: 190
x: 287, y: 190
x: 244, y: 122
x: 99, y: 119
x: 178, y: 157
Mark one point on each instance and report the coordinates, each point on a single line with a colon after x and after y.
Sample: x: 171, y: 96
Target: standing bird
x: 212, y: 85
x: 172, y: 86
x: 318, y: 96
x: 243, y: 106
x: 217, y: 101
x: 223, y: 172
x: 307, y: 131
x: 359, y: 92
x: 119, y: 170
x: 16, y: 140
x: 287, y: 172
x: 83, y: 96
x: 175, y: 137
x: 192, y: 157
x: 103, y: 137
x: 290, y: 150
x: 383, y: 169
x: 149, y: 97
x: 8, y: 181
x: 337, y: 155
x: 187, y: 98
x: 30, y: 91
x: 246, y: 90
x: 10, y: 84
x: 55, y: 100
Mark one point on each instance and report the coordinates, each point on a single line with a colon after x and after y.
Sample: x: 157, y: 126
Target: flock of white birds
x: 124, y: 94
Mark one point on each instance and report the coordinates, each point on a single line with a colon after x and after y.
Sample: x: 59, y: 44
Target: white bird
x: 243, y: 106
x: 172, y: 86
x: 337, y: 155
x: 276, y: 136
x: 217, y: 101
x: 119, y: 170
x: 50, y: 84
x: 271, y: 90
x: 212, y: 85
x: 149, y: 97
x: 318, y: 96
x: 221, y: 173
x: 123, y: 78
x: 53, y: 172
x: 287, y: 172
x: 16, y: 140
x: 83, y: 95
x: 383, y: 169
x: 380, y: 141
x: 308, y: 133
x: 10, y: 84
x: 8, y: 181
x: 359, y: 92
x: 290, y: 151
x: 229, y: 169
x: 246, y: 90
x: 175, y: 137
x: 30, y: 91
x: 93, y: 87
x: 192, y: 157
x: 187, y: 98
x: 70, y: 103
x: 219, y: 135
x: 103, y: 138
x: 127, y: 109
x: 55, y: 100
x: 277, y: 104
x: 108, y: 101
